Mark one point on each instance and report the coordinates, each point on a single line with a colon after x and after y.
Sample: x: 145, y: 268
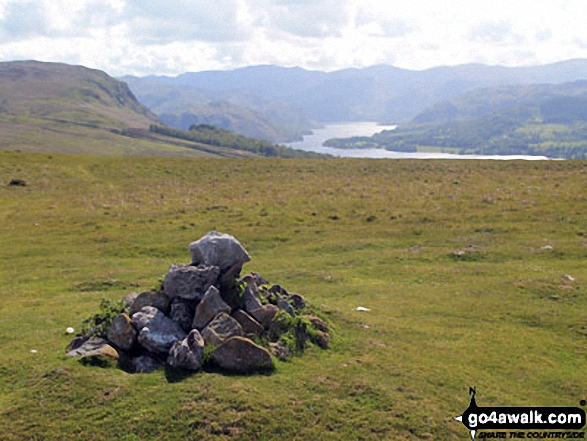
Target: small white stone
x: 70, y: 330
x: 362, y: 308
x: 33, y: 351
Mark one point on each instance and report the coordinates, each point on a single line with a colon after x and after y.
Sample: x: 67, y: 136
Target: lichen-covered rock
x: 189, y: 281
x: 94, y: 347
x: 211, y: 305
x: 241, y: 355
x: 182, y: 312
x: 157, y: 332
x: 251, y: 327
x: 188, y: 353
x: 264, y: 314
x: 156, y: 299
x: 122, y: 333
x: 220, y: 329
x: 221, y: 250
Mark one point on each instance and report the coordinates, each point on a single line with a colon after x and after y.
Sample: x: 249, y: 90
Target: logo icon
x: 476, y: 418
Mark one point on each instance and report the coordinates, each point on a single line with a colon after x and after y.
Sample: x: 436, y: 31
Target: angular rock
x: 278, y: 289
x: 159, y: 341
x: 285, y: 306
x: 76, y: 342
x: 188, y: 281
x: 241, y: 355
x: 145, y: 316
x: 94, y: 347
x: 182, y: 313
x: 188, y: 353
x: 142, y: 364
x: 122, y: 333
x: 259, y: 279
x: 157, y: 333
x: 129, y: 299
x: 251, y: 298
x: 210, y: 306
x: 156, y: 299
x: 251, y: 327
x: 264, y: 314
x: 221, y: 250
x: 220, y: 329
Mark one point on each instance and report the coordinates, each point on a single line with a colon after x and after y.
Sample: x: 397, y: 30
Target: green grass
x: 344, y: 233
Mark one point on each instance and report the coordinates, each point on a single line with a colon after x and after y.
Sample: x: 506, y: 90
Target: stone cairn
x: 204, y: 312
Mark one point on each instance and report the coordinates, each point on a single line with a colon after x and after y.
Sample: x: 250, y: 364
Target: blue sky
x: 143, y: 37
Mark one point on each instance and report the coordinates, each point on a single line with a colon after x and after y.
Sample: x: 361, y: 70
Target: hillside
x: 473, y: 273
x: 240, y: 111
x: 58, y: 108
x: 379, y: 93
x: 542, y: 119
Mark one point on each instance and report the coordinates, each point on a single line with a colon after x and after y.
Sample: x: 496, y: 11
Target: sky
x: 148, y: 37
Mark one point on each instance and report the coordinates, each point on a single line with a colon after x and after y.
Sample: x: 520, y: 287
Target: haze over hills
x: 380, y: 93
x: 54, y: 107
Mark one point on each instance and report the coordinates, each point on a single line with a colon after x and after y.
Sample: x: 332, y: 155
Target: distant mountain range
x: 53, y: 107
x: 280, y: 103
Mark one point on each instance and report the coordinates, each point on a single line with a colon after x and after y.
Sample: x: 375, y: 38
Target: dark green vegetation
x: 215, y: 136
x: 447, y: 255
x: 57, y: 108
x: 547, y: 120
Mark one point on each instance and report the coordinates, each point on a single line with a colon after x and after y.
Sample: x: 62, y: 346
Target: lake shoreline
x: 314, y: 143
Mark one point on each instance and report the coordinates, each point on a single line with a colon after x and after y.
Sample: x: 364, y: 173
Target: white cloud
x: 149, y: 36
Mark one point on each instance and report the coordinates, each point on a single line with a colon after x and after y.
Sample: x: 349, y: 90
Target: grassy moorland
x: 449, y: 256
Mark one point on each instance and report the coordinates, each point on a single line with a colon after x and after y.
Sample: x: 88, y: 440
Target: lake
x: 314, y: 143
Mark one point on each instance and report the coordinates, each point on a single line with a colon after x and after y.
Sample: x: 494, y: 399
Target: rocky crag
x: 204, y: 313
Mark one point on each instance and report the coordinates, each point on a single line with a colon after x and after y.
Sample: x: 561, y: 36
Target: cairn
x: 204, y: 313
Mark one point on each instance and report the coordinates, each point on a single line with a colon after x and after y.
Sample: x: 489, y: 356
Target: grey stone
x: 159, y: 341
x: 251, y: 298
x: 221, y: 250
x: 211, y: 305
x: 188, y: 353
x: 94, y: 347
x: 122, y: 333
x: 241, y: 355
x: 285, y: 306
x: 150, y: 298
x: 76, y: 342
x: 220, y: 329
x: 251, y: 327
x: 182, y: 313
x: 129, y: 299
x: 189, y: 282
x: 265, y: 314
x: 157, y: 332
